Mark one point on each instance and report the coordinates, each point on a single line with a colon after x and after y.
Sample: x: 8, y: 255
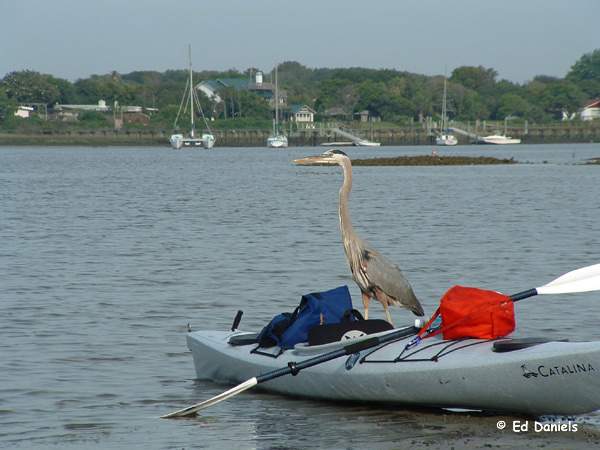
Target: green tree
x: 296, y: 79
x: 478, y: 78
x: 552, y: 96
x: 93, y: 119
x: 168, y: 92
x: 586, y: 73
x: 28, y: 86
x: 147, y: 84
x: 165, y: 116
x: 371, y: 97
x: 252, y: 105
x: 475, y: 107
x: 7, y: 106
x: 561, y: 96
x: 67, y: 93
x: 379, y: 99
x: 513, y: 105
x: 106, y: 87
x: 336, y: 93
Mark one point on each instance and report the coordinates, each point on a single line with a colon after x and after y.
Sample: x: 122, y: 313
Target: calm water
x: 108, y: 254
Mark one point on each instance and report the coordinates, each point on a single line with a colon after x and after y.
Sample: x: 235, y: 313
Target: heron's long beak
x: 317, y: 160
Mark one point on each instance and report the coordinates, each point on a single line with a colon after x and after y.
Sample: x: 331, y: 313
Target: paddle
x: 293, y: 369
x: 585, y: 279
x: 581, y: 280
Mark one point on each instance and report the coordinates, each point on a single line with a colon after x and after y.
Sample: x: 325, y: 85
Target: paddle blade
x: 190, y: 410
x: 585, y: 279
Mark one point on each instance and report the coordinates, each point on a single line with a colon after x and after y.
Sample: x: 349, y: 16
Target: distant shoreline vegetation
x: 150, y: 100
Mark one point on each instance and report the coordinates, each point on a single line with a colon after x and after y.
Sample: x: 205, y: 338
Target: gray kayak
x: 516, y: 376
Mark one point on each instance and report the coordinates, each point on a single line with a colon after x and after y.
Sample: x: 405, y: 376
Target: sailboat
x: 445, y: 138
x: 277, y: 139
x: 179, y: 141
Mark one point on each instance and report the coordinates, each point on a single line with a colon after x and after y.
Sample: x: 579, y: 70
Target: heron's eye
x: 334, y: 152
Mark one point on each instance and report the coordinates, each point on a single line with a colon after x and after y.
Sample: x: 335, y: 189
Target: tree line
x: 474, y: 92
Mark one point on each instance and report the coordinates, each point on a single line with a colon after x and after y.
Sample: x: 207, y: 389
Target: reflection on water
x: 108, y: 254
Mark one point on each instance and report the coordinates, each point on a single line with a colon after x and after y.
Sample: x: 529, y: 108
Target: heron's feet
x: 388, y: 315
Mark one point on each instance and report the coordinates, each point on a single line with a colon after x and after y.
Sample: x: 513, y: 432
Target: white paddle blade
x: 585, y: 279
x: 212, y: 401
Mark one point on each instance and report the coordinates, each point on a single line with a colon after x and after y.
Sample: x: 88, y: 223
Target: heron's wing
x: 388, y: 277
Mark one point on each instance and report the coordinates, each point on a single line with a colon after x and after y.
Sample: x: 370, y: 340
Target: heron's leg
x: 387, y: 314
x: 385, y: 301
x: 366, y: 299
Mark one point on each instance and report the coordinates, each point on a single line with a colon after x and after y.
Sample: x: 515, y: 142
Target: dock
x: 320, y: 135
x: 355, y: 140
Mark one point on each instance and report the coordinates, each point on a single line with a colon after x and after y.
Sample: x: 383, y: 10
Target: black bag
x: 353, y: 325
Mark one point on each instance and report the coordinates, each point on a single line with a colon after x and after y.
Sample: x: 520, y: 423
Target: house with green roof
x: 214, y: 88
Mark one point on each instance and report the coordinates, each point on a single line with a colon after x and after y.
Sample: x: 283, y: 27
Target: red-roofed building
x: 591, y: 111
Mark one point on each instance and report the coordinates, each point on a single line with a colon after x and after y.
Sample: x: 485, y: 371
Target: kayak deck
x: 547, y: 378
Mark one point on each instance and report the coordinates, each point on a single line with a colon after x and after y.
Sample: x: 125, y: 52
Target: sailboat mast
x: 444, y: 107
x: 276, y: 103
x: 191, y: 92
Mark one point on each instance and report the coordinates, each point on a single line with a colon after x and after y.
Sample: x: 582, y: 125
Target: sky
x: 77, y: 38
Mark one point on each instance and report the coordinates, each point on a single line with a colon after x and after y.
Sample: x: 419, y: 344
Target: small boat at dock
x: 499, y: 139
x: 444, y: 137
x: 277, y: 139
x: 365, y: 143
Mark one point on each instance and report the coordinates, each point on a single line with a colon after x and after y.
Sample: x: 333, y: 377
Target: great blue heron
x: 373, y: 273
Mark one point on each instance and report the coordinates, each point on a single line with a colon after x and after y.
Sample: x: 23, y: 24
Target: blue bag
x: 318, y: 308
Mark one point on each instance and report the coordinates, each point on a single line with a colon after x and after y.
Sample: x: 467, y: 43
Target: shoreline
x: 301, y: 138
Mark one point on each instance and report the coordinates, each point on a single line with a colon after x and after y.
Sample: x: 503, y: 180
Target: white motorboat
x: 499, y: 139
x: 178, y: 140
x: 337, y: 144
x: 365, y: 143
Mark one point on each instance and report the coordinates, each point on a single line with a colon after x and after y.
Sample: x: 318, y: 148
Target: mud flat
x: 432, y: 160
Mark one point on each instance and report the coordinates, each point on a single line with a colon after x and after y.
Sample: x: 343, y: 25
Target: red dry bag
x: 473, y: 313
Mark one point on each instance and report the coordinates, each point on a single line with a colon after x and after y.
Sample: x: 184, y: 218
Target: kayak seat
x: 325, y: 334
x: 243, y: 339
x: 509, y: 345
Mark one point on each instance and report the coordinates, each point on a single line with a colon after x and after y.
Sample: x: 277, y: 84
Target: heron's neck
x: 345, y: 222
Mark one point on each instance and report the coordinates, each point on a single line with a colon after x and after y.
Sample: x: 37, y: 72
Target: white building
x: 100, y: 107
x: 591, y: 111
x: 302, y: 114
x: 24, y: 112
